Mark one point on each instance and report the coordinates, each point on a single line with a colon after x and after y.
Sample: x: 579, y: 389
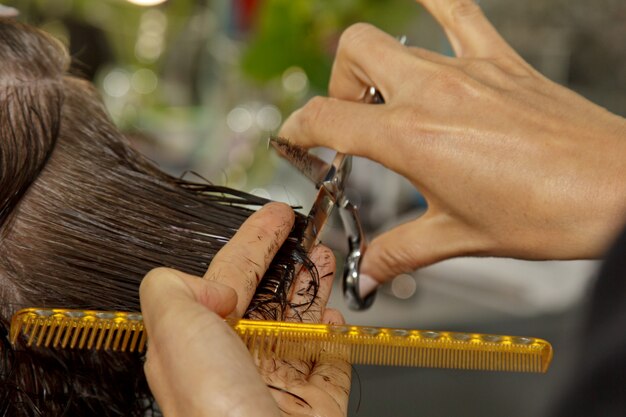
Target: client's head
x: 83, y: 218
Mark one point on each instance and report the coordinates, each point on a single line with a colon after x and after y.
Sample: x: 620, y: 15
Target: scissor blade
x: 312, y: 167
x: 330, y: 194
x: 318, y: 217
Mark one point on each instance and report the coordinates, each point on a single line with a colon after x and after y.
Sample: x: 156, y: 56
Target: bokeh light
x: 239, y: 119
x: 144, y: 81
x: 268, y: 118
x: 151, y: 36
x: 295, y: 80
x: 403, y: 286
x: 146, y: 2
x: 116, y: 83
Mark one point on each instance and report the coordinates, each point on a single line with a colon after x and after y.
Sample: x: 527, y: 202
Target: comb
x: 122, y: 331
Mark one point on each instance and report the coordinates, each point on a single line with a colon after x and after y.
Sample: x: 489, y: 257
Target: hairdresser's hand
x: 511, y: 164
x: 303, y: 388
x: 197, y: 366
x: 299, y: 388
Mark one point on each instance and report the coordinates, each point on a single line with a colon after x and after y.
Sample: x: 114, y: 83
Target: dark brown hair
x: 83, y: 217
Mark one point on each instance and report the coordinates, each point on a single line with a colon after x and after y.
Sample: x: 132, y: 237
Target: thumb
x: 217, y: 297
x: 419, y: 243
x: 162, y: 286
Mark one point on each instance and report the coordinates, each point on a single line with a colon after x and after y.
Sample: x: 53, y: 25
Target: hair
x: 83, y: 217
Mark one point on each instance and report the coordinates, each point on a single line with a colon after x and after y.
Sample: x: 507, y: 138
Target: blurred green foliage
x: 304, y: 33
x: 215, y: 75
x: 118, y: 19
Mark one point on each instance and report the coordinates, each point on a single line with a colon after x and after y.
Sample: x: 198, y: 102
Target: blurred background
x: 200, y: 85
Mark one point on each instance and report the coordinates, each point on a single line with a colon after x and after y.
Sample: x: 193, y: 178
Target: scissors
x: 330, y: 180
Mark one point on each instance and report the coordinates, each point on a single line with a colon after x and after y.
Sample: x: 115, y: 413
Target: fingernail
x: 6, y: 11
x: 367, y: 284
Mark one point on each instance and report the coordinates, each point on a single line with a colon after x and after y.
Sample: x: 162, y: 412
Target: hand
x: 196, y: 365
x: 302, y: 388
x: 510, y: 163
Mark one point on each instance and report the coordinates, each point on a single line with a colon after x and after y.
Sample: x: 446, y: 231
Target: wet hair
x: 83, y: 217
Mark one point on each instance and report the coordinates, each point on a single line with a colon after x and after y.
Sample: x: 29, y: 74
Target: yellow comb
x: 120, y: 331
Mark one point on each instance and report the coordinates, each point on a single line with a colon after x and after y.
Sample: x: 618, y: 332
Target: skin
x: 197, y: 366
x: 510, y: 163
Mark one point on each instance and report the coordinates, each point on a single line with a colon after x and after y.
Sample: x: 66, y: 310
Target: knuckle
x: 154, y: 275
x: 207, y: 293
x: 311, y: 113
x: 354, y: 36
x: 500, y: 72
x: 389, y: 261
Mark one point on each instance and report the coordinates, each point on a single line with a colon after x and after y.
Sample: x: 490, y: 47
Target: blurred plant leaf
x: 304, y: 33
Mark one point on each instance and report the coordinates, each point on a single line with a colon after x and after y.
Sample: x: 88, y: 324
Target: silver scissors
x: 330, y: 180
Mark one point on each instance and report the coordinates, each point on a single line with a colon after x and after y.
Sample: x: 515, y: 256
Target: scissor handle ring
x: 352, y: 266
x: 351, y: 278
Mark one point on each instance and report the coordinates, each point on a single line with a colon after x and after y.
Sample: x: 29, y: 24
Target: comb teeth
x: 79, y: 329
x: 395, y: 347
x: 118, y: 331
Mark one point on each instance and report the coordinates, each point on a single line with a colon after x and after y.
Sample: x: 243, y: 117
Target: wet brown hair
x: 83, y: 217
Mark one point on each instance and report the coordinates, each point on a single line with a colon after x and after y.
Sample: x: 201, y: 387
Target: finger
x: 242, y: 262
x: 333, y: 375
x: 412, y: 245
x: 310, y: 294
x: 214, y: 354
x: 467, y: 28
x: 217, y: 297
x: 367, y: 56
x: 165, y: 289
x: 352, y: 128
